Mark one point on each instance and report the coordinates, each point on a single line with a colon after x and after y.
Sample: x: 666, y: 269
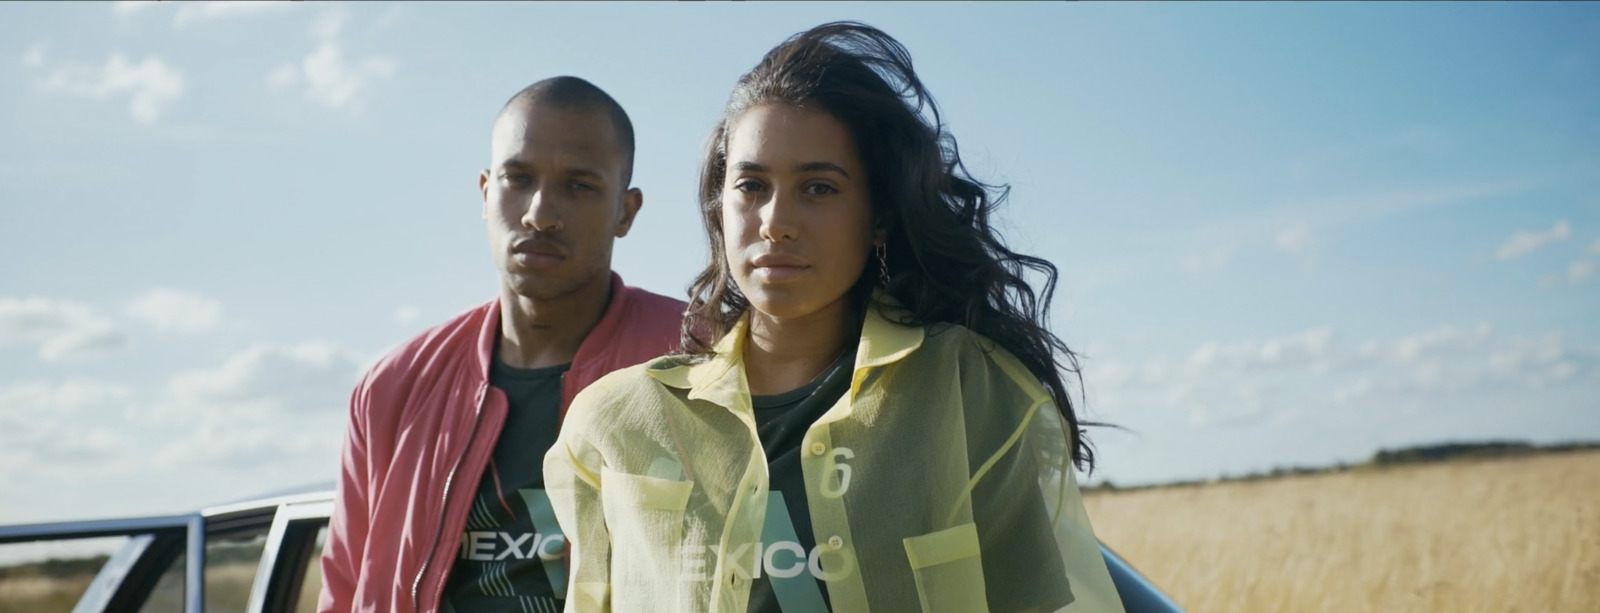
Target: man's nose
x: 542, y: 214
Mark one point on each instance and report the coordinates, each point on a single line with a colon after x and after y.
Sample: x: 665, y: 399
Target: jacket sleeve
x: 345, y: 548
x: 572, y: 470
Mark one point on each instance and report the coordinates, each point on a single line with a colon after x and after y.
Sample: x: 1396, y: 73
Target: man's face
x: 555, y: 198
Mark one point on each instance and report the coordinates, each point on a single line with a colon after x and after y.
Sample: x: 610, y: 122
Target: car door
x: 103, y: 565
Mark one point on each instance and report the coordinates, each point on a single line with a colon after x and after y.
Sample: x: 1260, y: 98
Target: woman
x: 871, y: 415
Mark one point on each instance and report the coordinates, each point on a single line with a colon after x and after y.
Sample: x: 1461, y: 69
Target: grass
x: 1505, y: 534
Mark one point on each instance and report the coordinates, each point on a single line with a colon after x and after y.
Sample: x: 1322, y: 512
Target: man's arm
x: 345, y: 548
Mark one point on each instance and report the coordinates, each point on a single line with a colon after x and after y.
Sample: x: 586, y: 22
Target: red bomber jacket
x: 423, y: 424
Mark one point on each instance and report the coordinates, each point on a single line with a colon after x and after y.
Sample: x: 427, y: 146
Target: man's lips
x: 537, y: 253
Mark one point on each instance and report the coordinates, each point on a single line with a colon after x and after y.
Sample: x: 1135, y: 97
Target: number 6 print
x: 837, y: 459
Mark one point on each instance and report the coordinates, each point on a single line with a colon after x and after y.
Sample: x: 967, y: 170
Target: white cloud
x: 339, y: 84
x: 1309, y: 349
x: 1594, y: 247
x: 1523, y: 242
x: 1439, y: 342
x: 130, y: 7
x: 151, y: 84
x: 61, y: 430
x: 35, y: 398
x: 1207, y: 262
x: 1581, y: 271
x: 63, y: 330
x: 407, y: 315
x: 282, y: 77
x: 269, y: 404
x: 272, y: 380
x: 175, y: 311
x: 1312, y: 375
x: 90, y: 342
x: 1539, y: 362
x: 34, y: 57
x: 1295, y: 239
x: 196, y: 12
x: 328, y: 24
x: 330, y: 78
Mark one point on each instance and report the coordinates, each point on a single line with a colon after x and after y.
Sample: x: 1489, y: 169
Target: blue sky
x: 1287, y: 233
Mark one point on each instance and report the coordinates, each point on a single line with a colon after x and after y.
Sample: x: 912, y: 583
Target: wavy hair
x: 945, y: 261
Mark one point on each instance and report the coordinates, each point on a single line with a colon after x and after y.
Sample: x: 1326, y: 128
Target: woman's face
x: 797, y: 224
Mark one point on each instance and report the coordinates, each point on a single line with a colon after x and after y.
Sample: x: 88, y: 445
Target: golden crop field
x: 1507, y: 534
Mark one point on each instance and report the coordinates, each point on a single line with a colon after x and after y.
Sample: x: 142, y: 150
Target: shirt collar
x: 720, y: 379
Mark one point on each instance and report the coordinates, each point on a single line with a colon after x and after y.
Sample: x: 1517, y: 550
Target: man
x: 440, y: 501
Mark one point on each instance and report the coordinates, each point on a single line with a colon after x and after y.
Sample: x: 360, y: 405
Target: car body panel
x: 290, y: 522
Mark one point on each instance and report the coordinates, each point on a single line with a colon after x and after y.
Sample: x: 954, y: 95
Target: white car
x: 262, y: 556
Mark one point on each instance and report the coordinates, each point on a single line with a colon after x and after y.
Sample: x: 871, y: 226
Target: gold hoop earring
x: 883, y: 264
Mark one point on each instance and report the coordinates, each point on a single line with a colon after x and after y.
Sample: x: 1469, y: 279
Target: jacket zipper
x: 444, y: 510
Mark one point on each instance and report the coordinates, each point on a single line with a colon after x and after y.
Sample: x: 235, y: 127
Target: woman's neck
x: 782, y: 354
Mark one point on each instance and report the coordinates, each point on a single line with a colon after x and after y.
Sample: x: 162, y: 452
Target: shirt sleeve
x: 1038, y: 549
x: 572, y: 471
x: 1022, y: 567
x: 347, y: 526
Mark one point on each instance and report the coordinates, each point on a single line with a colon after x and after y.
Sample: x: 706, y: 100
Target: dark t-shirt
x: 789, y: 581
x: 510, y: 557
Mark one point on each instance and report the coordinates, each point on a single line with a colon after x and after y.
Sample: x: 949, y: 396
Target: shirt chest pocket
x: 948, y: 570
x: 644, y: 514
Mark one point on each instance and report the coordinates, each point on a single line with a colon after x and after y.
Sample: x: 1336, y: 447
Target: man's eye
x: 518, y: 179
x: 582, y: 187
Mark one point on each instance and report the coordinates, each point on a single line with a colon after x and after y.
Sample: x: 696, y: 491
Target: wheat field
x: 1508, y: 534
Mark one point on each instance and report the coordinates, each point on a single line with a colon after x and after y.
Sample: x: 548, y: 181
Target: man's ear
x: 483, y: 191
x: 632, y: 201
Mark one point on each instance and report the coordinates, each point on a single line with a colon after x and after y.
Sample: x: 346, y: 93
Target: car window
x: 311, y: 582
x: 50, y: 576
x: 230, y: 570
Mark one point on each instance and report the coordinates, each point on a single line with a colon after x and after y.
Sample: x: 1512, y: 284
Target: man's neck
x: 783, y: 354
x: 548, y: 332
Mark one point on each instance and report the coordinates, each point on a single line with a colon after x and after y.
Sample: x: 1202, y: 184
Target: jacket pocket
x: 948, y: 570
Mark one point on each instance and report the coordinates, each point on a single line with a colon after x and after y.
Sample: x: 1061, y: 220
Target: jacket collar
x: 594, y: 345
x: 721, y: 378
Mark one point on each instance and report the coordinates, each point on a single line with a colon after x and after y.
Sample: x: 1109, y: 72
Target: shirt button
x: 836, y: 542
x: 818, y: 448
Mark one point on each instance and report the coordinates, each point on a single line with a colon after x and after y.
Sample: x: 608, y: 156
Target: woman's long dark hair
x: 945, y: 262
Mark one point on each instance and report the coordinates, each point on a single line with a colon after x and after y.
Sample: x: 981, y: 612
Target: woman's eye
x: 820, y: 189
x: 748, y: 186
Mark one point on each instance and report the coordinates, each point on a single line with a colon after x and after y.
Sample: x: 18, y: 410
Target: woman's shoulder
x: 622, y: 388
x: 971, y: 352
x: 956, y: 340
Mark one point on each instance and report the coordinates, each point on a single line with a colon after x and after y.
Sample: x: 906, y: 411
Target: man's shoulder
x: 458, y: 335
x: 647, y: 327
x: 643, y: 301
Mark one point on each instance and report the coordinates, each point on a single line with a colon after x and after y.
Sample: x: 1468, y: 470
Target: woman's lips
x: 778, y: 267
x: 779, y: 274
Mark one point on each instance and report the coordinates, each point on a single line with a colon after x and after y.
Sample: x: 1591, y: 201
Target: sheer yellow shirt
x: 660, y: 483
